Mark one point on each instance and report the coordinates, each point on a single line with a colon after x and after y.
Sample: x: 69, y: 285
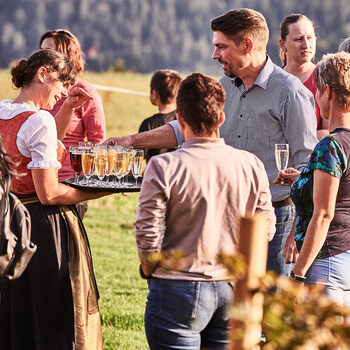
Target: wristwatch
x: 297, y: 278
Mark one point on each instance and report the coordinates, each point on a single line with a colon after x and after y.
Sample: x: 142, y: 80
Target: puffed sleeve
x: 37, y: 139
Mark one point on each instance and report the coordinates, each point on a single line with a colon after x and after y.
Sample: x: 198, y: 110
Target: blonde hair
x: 334, y: 70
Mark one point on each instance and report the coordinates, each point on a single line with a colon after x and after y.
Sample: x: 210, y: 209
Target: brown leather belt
x: 282, y: 203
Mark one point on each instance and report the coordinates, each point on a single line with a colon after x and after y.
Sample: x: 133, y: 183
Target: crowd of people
x: 191, y: 199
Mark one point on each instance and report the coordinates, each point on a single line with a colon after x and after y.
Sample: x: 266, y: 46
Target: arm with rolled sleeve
x: 150, y: 221
x: 179, y: 137
x: 299, y: 126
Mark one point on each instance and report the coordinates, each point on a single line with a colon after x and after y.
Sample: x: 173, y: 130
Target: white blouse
x: 37, y: 137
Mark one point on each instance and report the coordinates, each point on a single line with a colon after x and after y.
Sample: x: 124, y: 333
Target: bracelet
x: 142, y: 274
x: 297, y: 278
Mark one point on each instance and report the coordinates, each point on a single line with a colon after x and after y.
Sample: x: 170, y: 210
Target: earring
x: 285, y: 50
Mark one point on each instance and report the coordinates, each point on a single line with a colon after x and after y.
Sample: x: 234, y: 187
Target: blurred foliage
x: 155, y: 34
x: 118, y: 66
x: 295, y: 316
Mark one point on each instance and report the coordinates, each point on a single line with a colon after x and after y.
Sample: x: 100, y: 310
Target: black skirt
x: 36, y: 310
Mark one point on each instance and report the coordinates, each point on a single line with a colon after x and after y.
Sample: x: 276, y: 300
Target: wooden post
x: 253, y: 246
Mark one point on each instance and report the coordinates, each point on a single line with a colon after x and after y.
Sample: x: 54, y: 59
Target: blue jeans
x: 187, y: 314
x: 284, y: 223
x: 334, y: 274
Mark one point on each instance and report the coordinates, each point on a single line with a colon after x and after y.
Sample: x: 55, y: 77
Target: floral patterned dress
x: 331, y: 157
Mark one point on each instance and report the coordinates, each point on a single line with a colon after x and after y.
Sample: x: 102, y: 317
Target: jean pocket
x: 178, y: 300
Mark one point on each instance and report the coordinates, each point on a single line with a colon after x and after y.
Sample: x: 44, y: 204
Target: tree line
x: 145, y: 35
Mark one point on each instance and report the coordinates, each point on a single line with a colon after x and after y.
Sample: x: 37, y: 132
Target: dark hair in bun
x: 24, y: 70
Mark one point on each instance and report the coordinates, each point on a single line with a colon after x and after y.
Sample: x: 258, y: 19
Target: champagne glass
x: 130, y: 154
x: 281, y: 156
x: 136, y: 163
x: 111, y: 153
x: 87, y: 162
x: 126, y: 166
x: 100, y: 162
x: 119, y: 165
x: 75, y: 153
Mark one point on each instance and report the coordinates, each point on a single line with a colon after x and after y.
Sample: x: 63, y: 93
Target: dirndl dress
x: 53, y: 305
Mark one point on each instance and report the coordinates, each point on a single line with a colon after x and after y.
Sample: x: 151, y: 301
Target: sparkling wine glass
x: 100, y: 162
x: 87, y: 162
x: 119, y: 165
x: 126, y: 166
x: 136, y: 163
x: 281, y: 156
x: 75, y: 153
x: 111, y: 153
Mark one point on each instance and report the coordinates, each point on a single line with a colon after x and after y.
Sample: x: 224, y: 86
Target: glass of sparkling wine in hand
x: 136, y: 163
x: 75, y: 153
x: 281, y: 156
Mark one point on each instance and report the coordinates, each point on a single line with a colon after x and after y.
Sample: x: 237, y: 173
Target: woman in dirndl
x: 53, y: 305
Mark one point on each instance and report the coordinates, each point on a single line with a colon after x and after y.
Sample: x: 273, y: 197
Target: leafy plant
x: 295, y: 316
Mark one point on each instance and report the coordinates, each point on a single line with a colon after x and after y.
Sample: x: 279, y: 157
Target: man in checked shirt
x: 264, y: 106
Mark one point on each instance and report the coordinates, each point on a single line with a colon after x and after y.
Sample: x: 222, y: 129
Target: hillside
x: 145, y: 35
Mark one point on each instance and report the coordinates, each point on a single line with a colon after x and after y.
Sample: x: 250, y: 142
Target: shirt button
x: 241, y: 116
x: 239, y: 136
x: 243, y: 95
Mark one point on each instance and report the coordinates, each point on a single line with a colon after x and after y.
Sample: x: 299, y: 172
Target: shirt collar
x: 263, y: 76
x: 202, y: 140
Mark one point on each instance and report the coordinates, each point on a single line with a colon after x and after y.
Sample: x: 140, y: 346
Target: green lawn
x: 109, y: 223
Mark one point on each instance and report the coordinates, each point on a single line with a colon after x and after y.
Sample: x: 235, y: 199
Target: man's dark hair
x: 240, y: 23
x: 200, y: 101
x: 166, y: 83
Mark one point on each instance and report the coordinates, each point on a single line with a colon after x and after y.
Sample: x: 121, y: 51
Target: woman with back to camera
x: 53, y: 305
x: 297, y: 50
x: 321, y: 193
x: 88, y: 121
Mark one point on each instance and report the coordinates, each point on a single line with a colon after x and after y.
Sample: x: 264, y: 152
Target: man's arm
x: 163, y: 137
x: 150, y: 221
x: 300, y: 127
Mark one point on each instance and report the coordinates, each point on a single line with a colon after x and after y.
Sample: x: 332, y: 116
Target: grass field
x: 109, y: 221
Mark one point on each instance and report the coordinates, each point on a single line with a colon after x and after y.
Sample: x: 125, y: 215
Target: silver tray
x: 94, y: 186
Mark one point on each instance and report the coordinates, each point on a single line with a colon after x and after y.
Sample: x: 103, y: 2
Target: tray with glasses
x: 105, y: 168
x: 105, y: 185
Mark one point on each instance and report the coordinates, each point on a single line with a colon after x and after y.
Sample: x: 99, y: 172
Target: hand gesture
x: 121, y: 141
x: 76, y: 97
